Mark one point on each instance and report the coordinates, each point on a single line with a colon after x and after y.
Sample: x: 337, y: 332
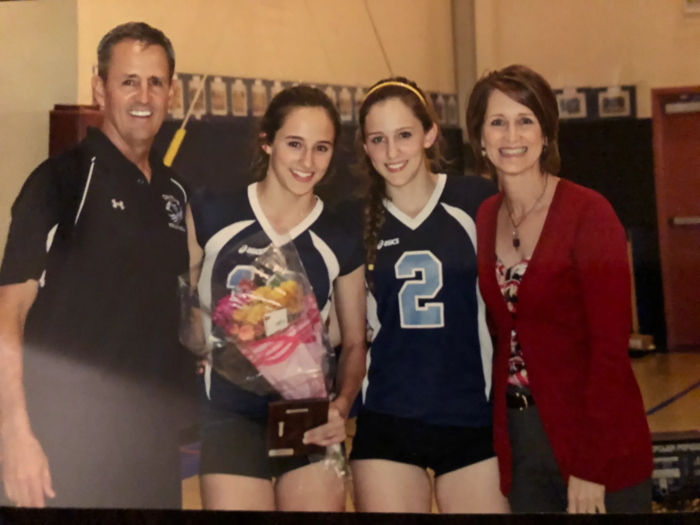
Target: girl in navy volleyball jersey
x: 297, y: 135
x: 426, y: 401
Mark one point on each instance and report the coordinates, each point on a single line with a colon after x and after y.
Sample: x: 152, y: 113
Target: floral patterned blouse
x: 509, y: 282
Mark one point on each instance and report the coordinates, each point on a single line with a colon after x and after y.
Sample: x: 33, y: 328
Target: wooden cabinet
x: 68, y: 125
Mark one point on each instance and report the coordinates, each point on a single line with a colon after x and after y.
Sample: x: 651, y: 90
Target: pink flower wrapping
x: 292, y: 360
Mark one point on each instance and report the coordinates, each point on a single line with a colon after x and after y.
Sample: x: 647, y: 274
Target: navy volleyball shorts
x: 237, y: 445
x: 234, y: 435
x: 442, y: 449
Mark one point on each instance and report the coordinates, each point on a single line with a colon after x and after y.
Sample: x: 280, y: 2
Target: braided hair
x: 373, y: 184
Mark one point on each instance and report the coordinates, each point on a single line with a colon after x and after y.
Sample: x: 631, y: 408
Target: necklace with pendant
x: 516, y: 236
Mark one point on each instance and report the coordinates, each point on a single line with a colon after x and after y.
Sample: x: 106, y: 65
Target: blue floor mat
x: 189, y: 460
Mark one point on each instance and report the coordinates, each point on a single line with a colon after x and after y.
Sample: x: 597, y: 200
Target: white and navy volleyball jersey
x: 224, y: 221
x: 431, y: 352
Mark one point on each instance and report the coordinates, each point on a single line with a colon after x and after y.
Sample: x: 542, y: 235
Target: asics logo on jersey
x: 251, y: 251
x: 117, y: 204
x: 390, y: 242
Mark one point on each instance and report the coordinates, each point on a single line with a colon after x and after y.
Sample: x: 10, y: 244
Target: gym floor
x: 670, y: 385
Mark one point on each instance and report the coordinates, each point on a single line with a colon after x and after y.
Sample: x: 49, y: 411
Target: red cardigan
x: 573, y: 323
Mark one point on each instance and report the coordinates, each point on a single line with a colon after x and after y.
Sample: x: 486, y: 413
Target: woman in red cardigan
x: 570, y: 429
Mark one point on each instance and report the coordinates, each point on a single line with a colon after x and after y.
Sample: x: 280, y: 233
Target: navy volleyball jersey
x: 224, y: 221
x: 431, y: 352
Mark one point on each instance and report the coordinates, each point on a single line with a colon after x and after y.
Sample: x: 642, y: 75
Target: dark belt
x: 519, y: 401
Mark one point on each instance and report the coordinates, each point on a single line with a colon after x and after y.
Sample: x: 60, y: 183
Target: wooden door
x: 676, y: 119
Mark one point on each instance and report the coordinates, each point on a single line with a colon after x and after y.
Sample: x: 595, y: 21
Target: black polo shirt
x: 107, y: 247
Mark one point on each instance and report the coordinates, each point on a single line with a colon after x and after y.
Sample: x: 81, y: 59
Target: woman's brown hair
x: 373, y: 185
x: 277, y: 112
x: 525, y: 87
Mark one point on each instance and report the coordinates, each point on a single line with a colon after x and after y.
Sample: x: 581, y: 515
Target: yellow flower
x: 264, y: 292
x: 294, y: 305
x: 241, y: 314
x: 279, y: 296
x: 290, y: 287
x: 258, y: 312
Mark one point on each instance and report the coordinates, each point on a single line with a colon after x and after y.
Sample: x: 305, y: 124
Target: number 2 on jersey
x: 413, y: 314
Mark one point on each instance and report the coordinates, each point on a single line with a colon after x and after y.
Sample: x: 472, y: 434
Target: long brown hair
x: 531, y: 90
x: 373, y: 184
x: 277, y: 112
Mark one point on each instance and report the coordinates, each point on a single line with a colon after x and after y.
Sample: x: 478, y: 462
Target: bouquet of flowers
x: 273, y: 320
x: 259, y: 326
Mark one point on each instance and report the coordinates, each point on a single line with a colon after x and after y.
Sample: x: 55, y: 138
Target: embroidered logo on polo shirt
x: 175, y: 213
x: 117, y: 204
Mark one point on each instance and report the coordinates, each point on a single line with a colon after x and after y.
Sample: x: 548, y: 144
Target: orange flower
x: 246, y: 333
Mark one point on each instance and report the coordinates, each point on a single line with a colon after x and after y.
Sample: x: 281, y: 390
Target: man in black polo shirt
x: 89, y: 351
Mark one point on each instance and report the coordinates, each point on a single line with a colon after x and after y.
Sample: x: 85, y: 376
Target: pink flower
x: 223, y: 313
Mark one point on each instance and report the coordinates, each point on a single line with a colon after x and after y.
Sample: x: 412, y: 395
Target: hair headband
x: 394, y: 83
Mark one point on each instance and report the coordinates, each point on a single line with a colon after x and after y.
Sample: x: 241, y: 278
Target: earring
x: 483, y: 151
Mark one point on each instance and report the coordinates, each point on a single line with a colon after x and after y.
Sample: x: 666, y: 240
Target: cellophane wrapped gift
x: 259, y: 326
